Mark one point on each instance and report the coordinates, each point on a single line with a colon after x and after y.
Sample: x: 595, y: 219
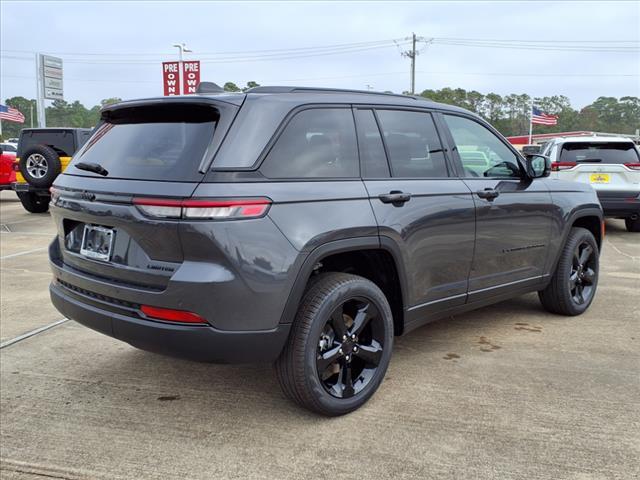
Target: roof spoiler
x: 209, y: 87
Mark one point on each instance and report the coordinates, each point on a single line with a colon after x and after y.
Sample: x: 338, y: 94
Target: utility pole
x: 413, y: 64
x: 411, y: 54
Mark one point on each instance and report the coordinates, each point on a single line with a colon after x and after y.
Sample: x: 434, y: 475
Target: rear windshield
x: 599, y: 152
x: 159, y: 142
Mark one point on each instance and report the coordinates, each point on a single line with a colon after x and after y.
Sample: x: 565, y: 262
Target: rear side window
x: 413, y: 144
x: 599, y: 152
x: 372, y: 156
x: 165, y: 142
x: 316, y: 143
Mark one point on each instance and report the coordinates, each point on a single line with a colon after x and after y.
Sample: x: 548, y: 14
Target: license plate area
x: 599, y: 178
x: 97, y: 242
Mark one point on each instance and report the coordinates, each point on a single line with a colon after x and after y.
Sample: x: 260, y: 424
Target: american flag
x: 11, y: 114
x: 538, y: 117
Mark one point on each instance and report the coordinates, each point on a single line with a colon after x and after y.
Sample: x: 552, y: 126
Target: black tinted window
x: 317, y: 143
x: 482, y: 153
x: 413, y: 144
x: 599, y: 152
x: 151, y: 143
x: 372, y: 156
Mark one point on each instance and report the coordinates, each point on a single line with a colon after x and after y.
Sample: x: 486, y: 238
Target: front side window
x: 482, y: 153
x: 413, y: 144
x: 317, y: 143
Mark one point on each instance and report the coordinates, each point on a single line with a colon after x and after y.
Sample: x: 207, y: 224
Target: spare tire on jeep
x: 40, y: 165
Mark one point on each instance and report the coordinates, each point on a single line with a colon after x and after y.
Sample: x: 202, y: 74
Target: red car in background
x: 7, y: 173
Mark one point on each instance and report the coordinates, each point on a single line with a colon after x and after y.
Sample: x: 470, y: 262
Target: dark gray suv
x: 308, y: 227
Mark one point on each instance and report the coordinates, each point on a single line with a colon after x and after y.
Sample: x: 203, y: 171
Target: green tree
x: 250, y: 84
x: 25, y: 106
x: 231, y: 87
x: 109, y: 101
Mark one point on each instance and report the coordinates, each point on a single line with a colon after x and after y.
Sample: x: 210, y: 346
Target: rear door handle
x: 395, y: 197
x: 488, y: 193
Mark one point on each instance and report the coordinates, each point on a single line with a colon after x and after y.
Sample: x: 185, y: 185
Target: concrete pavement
x: 508, y: 391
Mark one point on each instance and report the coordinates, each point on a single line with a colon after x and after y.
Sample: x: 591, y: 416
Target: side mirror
x: 538, y: 165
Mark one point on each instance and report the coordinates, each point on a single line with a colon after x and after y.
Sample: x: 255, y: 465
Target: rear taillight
x: 203, y: 209
x: 633, y: 166
x: 557, y: 166
x: 171, y: 315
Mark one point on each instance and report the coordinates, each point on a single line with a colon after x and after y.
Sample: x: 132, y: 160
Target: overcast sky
x: 130, y: 40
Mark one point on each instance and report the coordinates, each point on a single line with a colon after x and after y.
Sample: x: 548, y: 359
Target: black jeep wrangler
x: 44, y: 153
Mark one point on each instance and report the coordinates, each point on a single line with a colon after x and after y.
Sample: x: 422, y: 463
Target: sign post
x: 49, y: 83
x: 171, y: 78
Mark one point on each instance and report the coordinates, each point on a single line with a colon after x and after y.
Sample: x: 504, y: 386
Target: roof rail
x: 284, y: 89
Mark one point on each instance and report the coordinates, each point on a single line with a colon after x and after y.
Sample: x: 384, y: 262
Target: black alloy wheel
x: 573, y: 285
x: 350, y: 348
x: 583, y: 273
x: 339, y: 346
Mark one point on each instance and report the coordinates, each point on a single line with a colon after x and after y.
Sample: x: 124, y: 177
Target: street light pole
x: 182, y: 49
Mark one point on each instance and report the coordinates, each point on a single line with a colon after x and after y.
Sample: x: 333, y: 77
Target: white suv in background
x: 611, y: 165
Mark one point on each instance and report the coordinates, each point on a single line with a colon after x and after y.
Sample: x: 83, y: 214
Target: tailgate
x: 144, y: 149
x: 143, y: 253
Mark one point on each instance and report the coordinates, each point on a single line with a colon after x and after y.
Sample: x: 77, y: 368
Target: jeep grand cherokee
x: 308, y: 227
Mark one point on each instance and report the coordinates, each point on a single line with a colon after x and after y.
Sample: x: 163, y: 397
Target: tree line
x: 508, y: 113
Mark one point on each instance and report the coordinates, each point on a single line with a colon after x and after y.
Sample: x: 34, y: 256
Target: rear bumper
x: 619, y: 204
x: 194, y: 342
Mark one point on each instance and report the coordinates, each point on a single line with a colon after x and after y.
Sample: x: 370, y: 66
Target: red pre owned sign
x: 171, y: 78
x: 190, y: 76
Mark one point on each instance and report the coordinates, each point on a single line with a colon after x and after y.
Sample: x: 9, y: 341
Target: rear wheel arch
x: 589, y: 218
x: 593, y: 223
x: 367, y: 257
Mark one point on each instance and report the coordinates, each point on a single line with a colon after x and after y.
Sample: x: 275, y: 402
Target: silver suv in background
x: 611, y: 165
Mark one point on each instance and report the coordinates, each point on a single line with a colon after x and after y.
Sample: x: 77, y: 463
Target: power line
x: 234, y: 52
x: 427, y: 72
x: 609, y: 46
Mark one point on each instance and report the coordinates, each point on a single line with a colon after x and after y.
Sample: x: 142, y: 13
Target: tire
x: 34, y: 203
x: 632, y: 224
x: 317, y: 362
x: 574, y: 283
x: 40, y: 165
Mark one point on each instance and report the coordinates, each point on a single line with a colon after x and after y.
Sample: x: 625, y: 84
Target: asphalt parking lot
x: 508, y: 391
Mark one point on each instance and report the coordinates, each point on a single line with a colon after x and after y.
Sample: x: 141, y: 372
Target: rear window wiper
x: 92, y: 167
x: 589, y: 160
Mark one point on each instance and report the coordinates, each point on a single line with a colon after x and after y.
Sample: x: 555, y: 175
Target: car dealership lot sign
x: 171, y: 78
x: 190, y: 76
x: 51, y: 72
x: 180, y: 74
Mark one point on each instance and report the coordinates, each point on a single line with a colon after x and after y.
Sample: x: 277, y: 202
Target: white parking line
x: 32, y: 333
x: 633, y: 258
x: 23, y: 253
x: 52, y: 234
x: 24, y: 220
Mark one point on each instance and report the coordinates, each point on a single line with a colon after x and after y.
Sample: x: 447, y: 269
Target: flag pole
x: 530, y: 121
